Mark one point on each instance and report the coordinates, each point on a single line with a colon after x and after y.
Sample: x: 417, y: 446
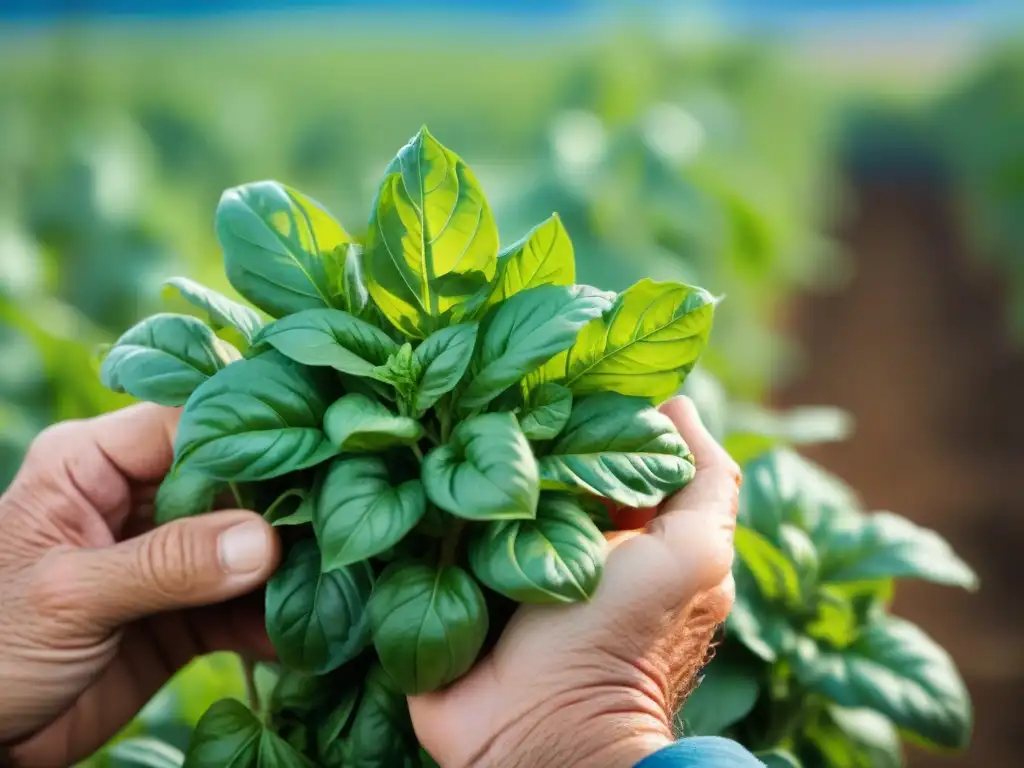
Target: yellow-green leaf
x: 543, y: 257
x: 432, y: 242
x: 646, y: 345
x: 278, y: 248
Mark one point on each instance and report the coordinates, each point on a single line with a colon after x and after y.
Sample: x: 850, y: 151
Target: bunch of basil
x: 431, y: 423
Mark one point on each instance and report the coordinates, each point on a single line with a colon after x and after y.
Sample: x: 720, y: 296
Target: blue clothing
x: 702, y: 752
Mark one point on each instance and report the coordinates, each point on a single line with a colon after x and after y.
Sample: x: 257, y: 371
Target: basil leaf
x: 442, y: 359
x: 432, y: 241
x: 896, y: 669
x: 525, y: 331
x: 357, y: 423
x: 485, y: 472
x: 773, y: 573
x: 317, y: 620
x: 164, y: 358
x: 329, y: 744
x: 428, y: 624
x: 360, y: 513
x: 258, y: 418
x: 871, y: 735
x: 726, y: 694
x: 381, y: 734
x: 353, y: 283
x: 778, y: 758
x: 293, y: 507
x: 222, y: 311
x: 547, y: 412
x: 228, y: 734
x: 144, y: 752
x: 621, y: 448
x: 184, y: 494
x: 331, y: 338
x: 557, y: 558
x: 299, y: 693
x: 885, y: 545
x: 646, y: 345
x: 276, y: 243
x: 543, y: 257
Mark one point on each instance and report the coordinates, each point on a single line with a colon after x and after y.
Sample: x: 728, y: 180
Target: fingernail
x: 244, y: 548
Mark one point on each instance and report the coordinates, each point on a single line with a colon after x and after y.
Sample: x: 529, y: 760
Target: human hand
x: 97, y: 608
x: 597, y: 683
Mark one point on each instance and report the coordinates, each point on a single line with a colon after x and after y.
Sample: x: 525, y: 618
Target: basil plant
x: 431, y: 422
x: 815, y: 670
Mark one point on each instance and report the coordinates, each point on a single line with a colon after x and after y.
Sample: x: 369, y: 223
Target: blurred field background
x: 849, y: 175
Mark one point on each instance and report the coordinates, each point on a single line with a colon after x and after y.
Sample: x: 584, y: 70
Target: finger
x: 188, y: 563
x: 138, y: 440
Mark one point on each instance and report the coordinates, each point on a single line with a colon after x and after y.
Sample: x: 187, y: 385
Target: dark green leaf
x: 380, y: 734
x: 222, y: 311
x: 256, y: 419
x: 884, y: 545
x: 183, y: 494
x: 228, y: 734
x: 331, y: 338
x: 442, y: 359
x: 276, y: 243
x: 432, y: 241
x: 164, y: 358
x: 726, y: 694
x: 774, y: 574
x: 329, y: 744
x: 646, y: 345
x: 543, y: 257
x: 317, y: 620
x: 360, y: 513
x: 557, y: 558
x: 428, y: 624
x: 547, y: 412
x: 525, y: 331
x: 293, y: 507
x: 896, y: 669
x: 486, y: 472
x: 620, y: 448
x: 357, y: 423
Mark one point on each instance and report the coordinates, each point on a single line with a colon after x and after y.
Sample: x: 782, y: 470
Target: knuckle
x: 171, y: 562
x: 51, y: 441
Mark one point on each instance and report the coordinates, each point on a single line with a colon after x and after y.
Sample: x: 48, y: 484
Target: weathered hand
x: 97, y: 609
x: 596, y: 683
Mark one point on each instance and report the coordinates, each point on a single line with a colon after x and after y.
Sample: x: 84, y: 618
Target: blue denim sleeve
x: 702, y: 752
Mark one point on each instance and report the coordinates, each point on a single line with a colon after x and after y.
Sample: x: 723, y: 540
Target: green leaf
x: 525, y: 331
x: 557, y: 558
x: 543, y: 257
x: 329, y: 338
x: 777, y: 758
x: 293, y: 507
x: 229, y: 735
x: 726, y: 694
x: 620, y: 448
x: 381, y: 734
x: 329, y: 743
x: 775, y: 575
x: 256, y: 419
x: 897, y: 670
x: 353, y: 283
x: 145, y: 752
x: 876, y: 740
x: 222, y: 311
x: 164, y: 359
x: 357, y: 423
x: 428, y: 624
x: 361, y: 513
x: 184, y: 494
x: 442, y: 359
x: 884, y: 545
x: 485, y: 472
x: 646, y: 345
x: 432, y: 241
x: 547, y: 412
x: 317, y: 620
x: 835, y: 620
x: 276, y: 243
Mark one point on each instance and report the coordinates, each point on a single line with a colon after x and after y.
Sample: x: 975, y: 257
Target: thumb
x: 187, y: 563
